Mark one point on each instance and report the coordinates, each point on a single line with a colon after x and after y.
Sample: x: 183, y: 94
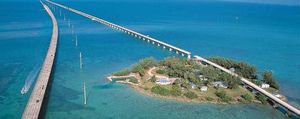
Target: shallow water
x: 266, y: 35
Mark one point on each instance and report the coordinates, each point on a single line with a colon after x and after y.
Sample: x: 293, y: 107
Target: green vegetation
x: 189, y: 73
x: 133, y: 80
x: 122, y: 73
x: 242, y: 68
x: 176, y: 67
x: 147, y: 63
x: 268, y: 78
x: 262, y: 98
x: 191, y: 95
x: 223, y: 96
x: 160, y: 90
x: 160, y: 71
x: 247, y: 97
x: 138, y: 68
x: 232, y: 81
x: 175, y: 91
x: 257, y: 82
x: 209, y: 98
x: 153, y: 79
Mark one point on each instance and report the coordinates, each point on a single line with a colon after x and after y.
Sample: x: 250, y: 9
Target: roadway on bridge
x: 34, y: 105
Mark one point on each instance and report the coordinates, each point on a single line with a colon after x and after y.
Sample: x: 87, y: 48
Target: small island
x: 190, y: 81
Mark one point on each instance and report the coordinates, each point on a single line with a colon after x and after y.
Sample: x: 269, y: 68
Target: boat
x: 24, y: 90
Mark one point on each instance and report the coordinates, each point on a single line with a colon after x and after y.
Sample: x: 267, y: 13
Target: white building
x: 194, y: 86
x: 203, y: 88
x: 265, y: 85
x: 202, y: 78
x: 277, y: 95
x: 232, y: 69
x: 220, y: 84
x: 163, y: 81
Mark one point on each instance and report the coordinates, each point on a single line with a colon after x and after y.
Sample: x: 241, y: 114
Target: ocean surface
x: 265, y: 35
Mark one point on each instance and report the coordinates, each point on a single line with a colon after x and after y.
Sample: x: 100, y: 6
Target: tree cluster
x: 223, y: 96
x: 242, y: 68
x: 269, y: 78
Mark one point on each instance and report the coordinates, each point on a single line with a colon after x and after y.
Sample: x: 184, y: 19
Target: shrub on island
x: 160, y: 71
x: 160, y: 90
x: 269, y: 78
x: 122, y: 72
x: 247, y: 97
x: 153, y: 79
x: 262, y: 98
x: 133, y: 80
x: 191, y: 95
x: 209, y: 98
x: 223, y: 96
x: 242, y: 68
x: 175, y: 91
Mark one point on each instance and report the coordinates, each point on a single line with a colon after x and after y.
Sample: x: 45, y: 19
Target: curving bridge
x: 154, y: 41
x: 35, y: 101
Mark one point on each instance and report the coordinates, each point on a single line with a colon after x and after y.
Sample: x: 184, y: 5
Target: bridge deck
x: 102, y: 21
x: 34, y: 104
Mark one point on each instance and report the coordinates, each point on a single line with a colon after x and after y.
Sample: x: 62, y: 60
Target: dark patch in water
x: 197, y: 112
x: 7, y: 116
x: 69, y: 113
x: 65, y: 92
x: 298, y: 66
x: 293, y: 99
x: 8, y: 76
x: 104, y: 103
x: 109, y: 85
x: 2, y: 99
x: 60, y: 101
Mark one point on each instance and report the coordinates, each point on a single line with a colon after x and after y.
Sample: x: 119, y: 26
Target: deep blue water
x: 267, y: 36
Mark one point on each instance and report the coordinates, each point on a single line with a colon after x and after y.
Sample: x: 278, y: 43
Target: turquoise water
x: 267, y: 36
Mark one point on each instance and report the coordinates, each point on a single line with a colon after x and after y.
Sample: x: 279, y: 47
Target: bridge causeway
x: 34, y: 104
x: 154, y: 41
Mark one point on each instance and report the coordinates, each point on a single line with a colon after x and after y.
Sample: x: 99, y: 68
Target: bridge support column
x: 164, y: 47
x: 148, y: 41
x: 158, y: 44
x: 177, y: 52
x: 144, y: 39
x: 288, y: 113
x: 170, y: 49
x: 275, y: 105
x: 182, y: 54
x: 153, y: 42
x: 189, y: 56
